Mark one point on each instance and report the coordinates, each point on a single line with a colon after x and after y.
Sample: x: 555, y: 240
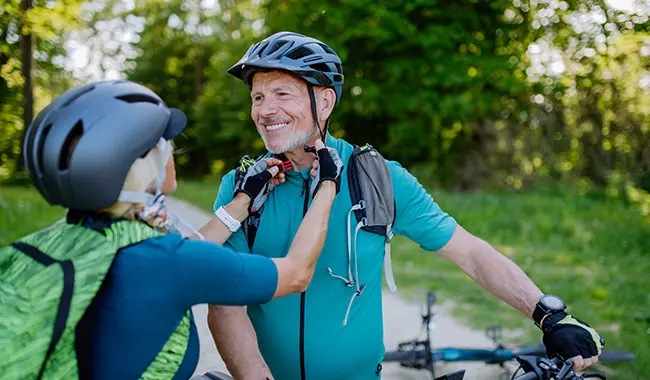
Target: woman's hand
x: 327, y: 167
x: 259, y: 179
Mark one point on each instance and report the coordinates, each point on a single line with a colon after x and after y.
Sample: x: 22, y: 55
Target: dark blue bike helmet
x: 79, y: 149
x: 312, y: 60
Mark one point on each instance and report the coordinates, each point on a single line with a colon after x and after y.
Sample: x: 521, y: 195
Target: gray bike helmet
x: 312, y: 60
x: 113, y: 123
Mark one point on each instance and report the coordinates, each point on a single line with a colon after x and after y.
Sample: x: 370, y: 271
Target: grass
x: 23, y: 211
x: 594, y: 254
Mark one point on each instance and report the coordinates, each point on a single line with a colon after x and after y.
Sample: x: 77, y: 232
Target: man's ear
x: 326, y: 102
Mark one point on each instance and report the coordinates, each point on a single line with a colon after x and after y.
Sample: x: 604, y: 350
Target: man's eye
x: 283, y: 93
x: 258, y: 97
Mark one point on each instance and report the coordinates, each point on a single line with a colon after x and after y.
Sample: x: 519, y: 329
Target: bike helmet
x: 79, y: 149
x: 312, y: 60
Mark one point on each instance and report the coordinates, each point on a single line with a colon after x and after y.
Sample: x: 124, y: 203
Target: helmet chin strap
x: 155, y: 211
x: 312, y: 98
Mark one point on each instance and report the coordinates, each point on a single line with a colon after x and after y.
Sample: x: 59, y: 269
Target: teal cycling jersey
x: 327, y: 332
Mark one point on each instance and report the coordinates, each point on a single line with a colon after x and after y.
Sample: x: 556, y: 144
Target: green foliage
x: 424, y: 80
x: 468, y: 91
x: 49, y: 22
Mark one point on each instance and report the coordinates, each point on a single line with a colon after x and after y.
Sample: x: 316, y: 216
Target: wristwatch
x: 227, y: 219
x: 548, y: 304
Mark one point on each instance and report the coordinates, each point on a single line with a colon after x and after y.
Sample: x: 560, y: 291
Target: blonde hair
x: 143, y: 175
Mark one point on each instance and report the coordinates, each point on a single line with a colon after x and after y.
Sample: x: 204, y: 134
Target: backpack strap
x: 388, y: 265
x: 252, y: 222
x: 66, y: 295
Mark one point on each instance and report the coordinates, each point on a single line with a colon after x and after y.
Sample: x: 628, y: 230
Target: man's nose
x: 268, y: 108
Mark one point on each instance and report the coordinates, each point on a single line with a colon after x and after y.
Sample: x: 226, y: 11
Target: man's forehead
x: 276, y: 80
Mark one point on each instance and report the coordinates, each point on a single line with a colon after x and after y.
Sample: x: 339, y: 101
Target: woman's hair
x: 142, y: 177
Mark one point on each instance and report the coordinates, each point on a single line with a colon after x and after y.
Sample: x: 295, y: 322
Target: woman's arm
x: 249, y: 191
x: 215, y: 230
x: 217, y: 275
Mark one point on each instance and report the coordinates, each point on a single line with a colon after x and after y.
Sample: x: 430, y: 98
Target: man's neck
x: 301, y: 159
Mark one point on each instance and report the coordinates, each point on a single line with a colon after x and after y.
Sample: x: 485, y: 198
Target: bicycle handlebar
x: 538, y: 368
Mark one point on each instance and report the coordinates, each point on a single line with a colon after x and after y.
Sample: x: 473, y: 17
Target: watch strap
x: 227, y: 219
x: 538, y: 314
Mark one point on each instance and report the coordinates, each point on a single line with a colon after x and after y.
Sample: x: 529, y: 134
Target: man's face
x: 282, y: 111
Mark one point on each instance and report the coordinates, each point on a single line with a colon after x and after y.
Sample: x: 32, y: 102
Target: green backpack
x: 47, y: 281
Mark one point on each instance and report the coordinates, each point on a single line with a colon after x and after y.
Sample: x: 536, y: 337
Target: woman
x: 103, y: 151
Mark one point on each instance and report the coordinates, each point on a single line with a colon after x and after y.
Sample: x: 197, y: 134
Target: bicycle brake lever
x: 566, y: 370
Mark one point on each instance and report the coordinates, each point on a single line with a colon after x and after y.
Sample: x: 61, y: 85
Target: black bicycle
x: 419, y: 354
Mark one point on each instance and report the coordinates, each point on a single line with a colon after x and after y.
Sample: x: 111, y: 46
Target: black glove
x: 253, y: 181
x: 330, y: 167
x: 567, y: 336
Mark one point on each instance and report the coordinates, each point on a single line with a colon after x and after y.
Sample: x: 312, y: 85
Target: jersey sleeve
x: 210, y: 273
x: 418, y: 216
x: 237, y: 240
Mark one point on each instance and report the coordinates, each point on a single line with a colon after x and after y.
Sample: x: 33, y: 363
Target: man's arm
x: 421, y: 219
x: 492, y: 270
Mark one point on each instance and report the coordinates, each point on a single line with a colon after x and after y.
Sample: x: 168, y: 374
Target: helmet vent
x: 138, y: 98
x: 276, y: 46
x: 41, y: 145
x: 69, y: 145
x: 260, y: 49
x: 321, y: 67
x: 327, y: 49
x: 77, y: 95
x: 300, y: 52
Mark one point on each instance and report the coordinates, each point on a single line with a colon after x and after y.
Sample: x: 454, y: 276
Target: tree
x: 424, y: 80
x: 32, y: 33
x: 27, y: 70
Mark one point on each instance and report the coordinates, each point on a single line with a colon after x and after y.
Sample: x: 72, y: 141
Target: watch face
x: 552, y: 302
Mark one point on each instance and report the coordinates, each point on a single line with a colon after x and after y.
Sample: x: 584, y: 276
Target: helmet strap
x: 312, y: 98
x: 155, y: 211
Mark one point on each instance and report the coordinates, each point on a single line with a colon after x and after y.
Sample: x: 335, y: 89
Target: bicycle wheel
x: 402, y: 356
x: 605, y: 356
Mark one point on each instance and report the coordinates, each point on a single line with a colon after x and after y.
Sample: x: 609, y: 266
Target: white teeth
x: 275, y: 127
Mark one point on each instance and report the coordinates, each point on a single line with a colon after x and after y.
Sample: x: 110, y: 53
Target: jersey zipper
x: 303, y: 295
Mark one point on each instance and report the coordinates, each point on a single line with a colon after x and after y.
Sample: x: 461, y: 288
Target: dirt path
x: 401, y: 322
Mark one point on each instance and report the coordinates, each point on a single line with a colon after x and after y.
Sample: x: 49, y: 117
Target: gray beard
x: 295, y: 141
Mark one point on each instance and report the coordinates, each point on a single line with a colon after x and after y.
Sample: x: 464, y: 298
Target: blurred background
x: 528, y: 120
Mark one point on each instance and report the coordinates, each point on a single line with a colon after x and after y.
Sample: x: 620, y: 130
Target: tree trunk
x: 26, y: 53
